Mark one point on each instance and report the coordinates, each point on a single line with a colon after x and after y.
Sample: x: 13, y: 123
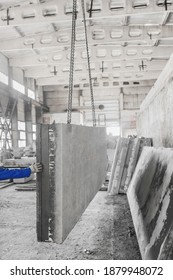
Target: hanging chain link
x: 89, y: 67
x: 73, y: 35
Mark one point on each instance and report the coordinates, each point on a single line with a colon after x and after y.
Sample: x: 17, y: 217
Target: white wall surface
x: 156, y: 114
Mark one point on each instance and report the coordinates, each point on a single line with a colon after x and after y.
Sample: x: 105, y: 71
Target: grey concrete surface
x: 78, y: 154
x: 156, y: 112
x: 150, y: 197
x: 101, y: 230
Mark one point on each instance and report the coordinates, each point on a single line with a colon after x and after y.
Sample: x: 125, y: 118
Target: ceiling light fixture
x: 55, y: 71
x: 142, y: 66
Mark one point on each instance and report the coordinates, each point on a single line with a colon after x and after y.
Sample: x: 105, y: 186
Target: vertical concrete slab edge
x: 114, y: 165
x: 58, y: 199
x: 42, y: 184
x: 122, y: 165
x: 133, y: 162
x: 126, y: 166
x: 38, y: 185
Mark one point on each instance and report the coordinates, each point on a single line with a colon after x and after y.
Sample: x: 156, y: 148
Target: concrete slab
x: 132, y: 162
x: 76, y: 168
x: 114, y: 164
x: 120, y: 166
x: 21, y: 162
x: 150, y: 197
x: 127, y: 153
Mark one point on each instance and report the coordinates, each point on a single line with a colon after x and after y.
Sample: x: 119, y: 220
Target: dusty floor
x: 105, y: 230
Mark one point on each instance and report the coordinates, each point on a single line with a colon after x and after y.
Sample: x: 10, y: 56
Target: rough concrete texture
x: 156, y: 112
x: 99, y: 234
x: 150, y: 197
x: 127, y: 153
x: 77, y: 169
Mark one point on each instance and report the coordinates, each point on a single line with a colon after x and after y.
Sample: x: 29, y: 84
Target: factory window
x: 34, y: 132
x: 3, y: 78
x: 19, y: 87
x: 113, y: 130
x: 8, y: 145
x: 34, y: 136
x: 21, y: 143
x: 21, y: 126
x: 34, y: 127
x: 5, y: 132
x: 31, y: 94
x: 101, y: 120
x: 22, y: 135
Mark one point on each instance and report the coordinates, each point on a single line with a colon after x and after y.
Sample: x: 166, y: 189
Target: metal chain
x: 73, y: 34
x: 89, y: 67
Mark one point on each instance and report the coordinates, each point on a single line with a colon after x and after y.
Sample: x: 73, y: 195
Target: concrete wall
x: 156, y: 112
x: 57, y: 100
x: 150, y: 196
x: 18, y: 75
x: 78, y: 157
x: 61, y: 118
x: 130, y: 101
x: 4, y: 64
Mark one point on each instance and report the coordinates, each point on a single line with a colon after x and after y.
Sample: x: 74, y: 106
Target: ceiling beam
x: 113, y: 83
x: 109, y: 35
x: 78, y: 75
x: 54, y: 12
x: 101, y: 53
x: 130, y: 65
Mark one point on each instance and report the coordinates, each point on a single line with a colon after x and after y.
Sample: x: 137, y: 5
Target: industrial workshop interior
x: 86, y: 129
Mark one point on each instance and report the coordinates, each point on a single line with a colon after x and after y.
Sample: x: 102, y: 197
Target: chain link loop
x: 89, y: 67
x: 73, y: 35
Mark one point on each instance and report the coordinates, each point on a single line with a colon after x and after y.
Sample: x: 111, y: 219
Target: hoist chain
x: 89, y: 67
x: 73, y: 34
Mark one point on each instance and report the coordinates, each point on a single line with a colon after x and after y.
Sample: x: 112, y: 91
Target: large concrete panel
x: 156, y: 112
x: 150, y: 196
x: 76, y: 170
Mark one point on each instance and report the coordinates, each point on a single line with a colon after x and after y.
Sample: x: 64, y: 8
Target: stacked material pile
x: 126, y: 156
x: 111, y: 145
x: 29, y: 152
x: 18, y: 152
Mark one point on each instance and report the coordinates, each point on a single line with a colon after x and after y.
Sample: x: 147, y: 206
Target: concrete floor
x: 105, y: 230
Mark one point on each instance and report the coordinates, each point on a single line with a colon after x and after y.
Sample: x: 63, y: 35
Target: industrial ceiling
x: 129, y: 42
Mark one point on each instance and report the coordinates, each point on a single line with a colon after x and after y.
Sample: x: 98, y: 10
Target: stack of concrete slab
x: 126, y: 155
x: 150, y: 197
x: 74, y: 168
x: 31, y: 186
x: 5, y: 184
x: 22, y: 162
x: 111, y: 145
